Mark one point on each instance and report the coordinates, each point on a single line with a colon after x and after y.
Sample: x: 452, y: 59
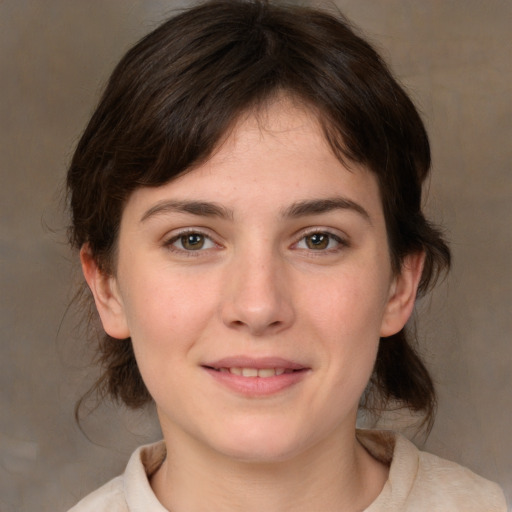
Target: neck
x: 340, y: 476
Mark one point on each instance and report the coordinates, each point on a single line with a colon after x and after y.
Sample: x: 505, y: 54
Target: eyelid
x: 170, y: 238
x: 337, y: 235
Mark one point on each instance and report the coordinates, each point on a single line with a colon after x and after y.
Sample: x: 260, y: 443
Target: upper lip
x: 259, y: 363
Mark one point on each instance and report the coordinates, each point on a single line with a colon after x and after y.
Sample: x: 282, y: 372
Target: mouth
x: 255, y: 377
x: 255, y: 372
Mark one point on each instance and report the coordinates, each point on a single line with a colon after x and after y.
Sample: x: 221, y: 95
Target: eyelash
x: 341, y: 242
x: 170, y: 243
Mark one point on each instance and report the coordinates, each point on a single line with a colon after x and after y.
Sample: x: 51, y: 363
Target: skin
x: 253, y: 283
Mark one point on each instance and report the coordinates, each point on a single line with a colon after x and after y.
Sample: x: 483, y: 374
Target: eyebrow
x: 295, y: 210
x: 319, y: 206
x: 200, y: 208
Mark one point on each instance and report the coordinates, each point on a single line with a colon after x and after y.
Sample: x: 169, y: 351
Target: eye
x: 320, y: 241
x: 190, y: 241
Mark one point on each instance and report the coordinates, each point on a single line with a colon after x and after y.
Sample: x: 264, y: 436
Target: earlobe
x: 402, y: 294
x: 106, y: 296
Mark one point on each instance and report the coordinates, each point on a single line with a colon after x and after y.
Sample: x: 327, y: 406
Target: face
x: 255, y: 289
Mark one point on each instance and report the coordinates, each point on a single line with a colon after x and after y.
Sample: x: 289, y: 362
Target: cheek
x: 353, y: 304
x: 166, y: 317
x: 348, y: 315
x: 164, y: 298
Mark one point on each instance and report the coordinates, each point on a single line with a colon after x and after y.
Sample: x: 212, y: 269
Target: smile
x: 257, y: 377
x: 255, y: 372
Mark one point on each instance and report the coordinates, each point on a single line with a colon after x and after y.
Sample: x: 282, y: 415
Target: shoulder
x: 109, y: 497
x: 448, y: 484
x: 419, y: 481
x: 130, y: 491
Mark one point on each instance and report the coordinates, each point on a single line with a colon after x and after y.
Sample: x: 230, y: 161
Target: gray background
x: 454, y: 57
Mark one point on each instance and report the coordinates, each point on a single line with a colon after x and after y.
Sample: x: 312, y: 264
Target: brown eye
x: 321, y: 241
x: 192, y: 241
x: 317, y: 241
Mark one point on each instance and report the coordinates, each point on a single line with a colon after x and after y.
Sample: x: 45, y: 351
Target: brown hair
x: 176, y: 93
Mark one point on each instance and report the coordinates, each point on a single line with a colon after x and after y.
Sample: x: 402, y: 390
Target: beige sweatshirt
x: 418, y: 482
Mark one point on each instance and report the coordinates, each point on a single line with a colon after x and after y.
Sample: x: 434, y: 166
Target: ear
x: 106, y: 296
x: 402, y: 294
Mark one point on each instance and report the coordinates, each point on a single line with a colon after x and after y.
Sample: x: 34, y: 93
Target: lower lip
x: 257, y: 386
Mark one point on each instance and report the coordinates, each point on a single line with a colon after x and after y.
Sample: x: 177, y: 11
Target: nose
x: 258, y: 298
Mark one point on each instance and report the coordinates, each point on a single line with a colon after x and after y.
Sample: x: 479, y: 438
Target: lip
x: 256, y: 386
x: 260, y: 363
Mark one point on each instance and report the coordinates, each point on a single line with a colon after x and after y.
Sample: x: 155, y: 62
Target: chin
x: 260, y: 453
x: 261, y: 443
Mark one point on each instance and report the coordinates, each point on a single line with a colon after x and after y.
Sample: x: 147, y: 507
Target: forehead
x: 271, y: 157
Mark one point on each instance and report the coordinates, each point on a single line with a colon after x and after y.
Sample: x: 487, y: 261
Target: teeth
x: 255, y: 372
x: 266, y: 372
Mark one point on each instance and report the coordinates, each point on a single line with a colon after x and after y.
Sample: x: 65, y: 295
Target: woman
x: 246, y: 200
